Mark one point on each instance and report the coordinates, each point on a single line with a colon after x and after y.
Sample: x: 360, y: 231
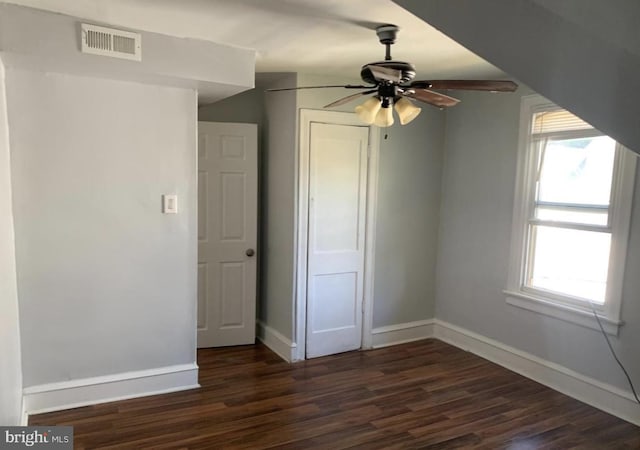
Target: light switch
x: 170, y: 204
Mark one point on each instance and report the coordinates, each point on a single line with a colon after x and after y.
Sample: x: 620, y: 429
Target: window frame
x: 565, y: 307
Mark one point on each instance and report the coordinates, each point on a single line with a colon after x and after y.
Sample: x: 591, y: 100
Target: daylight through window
x: 571, y: 217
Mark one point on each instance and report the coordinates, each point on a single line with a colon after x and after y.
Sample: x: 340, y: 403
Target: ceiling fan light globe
x: 384, y: 118
x: 368, y: 110
x: 406, y: 110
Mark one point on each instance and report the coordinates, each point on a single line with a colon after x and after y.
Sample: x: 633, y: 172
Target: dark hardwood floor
x: 425, y: 394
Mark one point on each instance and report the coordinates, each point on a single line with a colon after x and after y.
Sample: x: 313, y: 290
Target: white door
x: 227, y: 233
x: 336, y: 240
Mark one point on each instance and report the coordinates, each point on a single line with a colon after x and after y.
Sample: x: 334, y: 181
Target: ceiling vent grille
x: 109, y: 42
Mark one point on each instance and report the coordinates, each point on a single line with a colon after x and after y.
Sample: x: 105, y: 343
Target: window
x: 571, y: 217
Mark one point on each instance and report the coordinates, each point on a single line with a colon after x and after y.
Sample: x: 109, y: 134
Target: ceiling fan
x: 392, y: 82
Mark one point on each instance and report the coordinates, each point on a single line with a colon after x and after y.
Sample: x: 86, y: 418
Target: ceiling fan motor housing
x: 388, y: 91
x: 408, y: 71
x: 387, y: 33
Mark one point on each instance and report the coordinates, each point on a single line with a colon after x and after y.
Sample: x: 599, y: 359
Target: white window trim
x: 622, y: 194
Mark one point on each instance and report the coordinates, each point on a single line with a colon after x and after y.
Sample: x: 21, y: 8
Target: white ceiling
x: 333, y: 37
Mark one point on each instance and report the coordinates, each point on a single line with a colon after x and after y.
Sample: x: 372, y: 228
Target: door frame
x: 308, y: 116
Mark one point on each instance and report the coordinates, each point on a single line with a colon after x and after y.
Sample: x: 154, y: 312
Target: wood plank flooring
x: 425, y: 394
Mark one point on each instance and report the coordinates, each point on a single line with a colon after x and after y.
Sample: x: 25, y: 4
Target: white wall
x: 107, y: 283
x: 10, y: 366
x: 473, y: 258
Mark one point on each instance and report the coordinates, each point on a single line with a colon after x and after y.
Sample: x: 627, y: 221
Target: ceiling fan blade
x: 385, y: 73
x: 346, y: 86
x: 433, y: 98
x: 349, y: 98
x: 468, y: 85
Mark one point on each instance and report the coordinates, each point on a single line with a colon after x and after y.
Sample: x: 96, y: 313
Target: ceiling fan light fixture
x: 367, y: 112
x: 406, y: 110
x: 384, y: 118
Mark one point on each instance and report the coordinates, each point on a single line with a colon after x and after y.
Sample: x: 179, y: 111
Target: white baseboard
x: 402, y: 333
x: 600, y: 395
x: 90, y: 391
x: 279, y: 344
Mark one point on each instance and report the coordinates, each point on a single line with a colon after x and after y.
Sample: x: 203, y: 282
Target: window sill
x: 562, y: 312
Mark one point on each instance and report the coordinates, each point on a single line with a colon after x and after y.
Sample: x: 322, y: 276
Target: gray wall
x: 278, y: 195
x: 615, y: 21
x: 318, y: 98
x: 408, y: 202
x: 276, y: 116
x: 276, y: 139
x: 10, y: 365
x: 409, y: 180
x: 407, y: 221
x: 107, y: 282
x: 246, y: 107
x: 408, y: 199
x: 475, y: 231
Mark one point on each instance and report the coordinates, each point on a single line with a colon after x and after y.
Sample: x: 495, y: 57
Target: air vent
x: 109, y: 42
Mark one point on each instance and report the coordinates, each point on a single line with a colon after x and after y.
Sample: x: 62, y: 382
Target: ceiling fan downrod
x: 387, y: 36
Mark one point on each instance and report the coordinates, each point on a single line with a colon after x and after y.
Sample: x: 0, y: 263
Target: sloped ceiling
x: 315, y: 36
x: 582, y: 55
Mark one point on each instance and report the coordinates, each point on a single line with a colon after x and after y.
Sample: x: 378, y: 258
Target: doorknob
x: 250, y: 252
